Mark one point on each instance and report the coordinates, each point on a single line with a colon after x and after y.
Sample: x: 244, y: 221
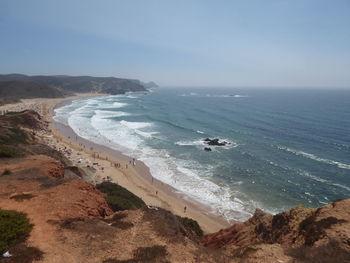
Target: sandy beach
x: 112, y: 165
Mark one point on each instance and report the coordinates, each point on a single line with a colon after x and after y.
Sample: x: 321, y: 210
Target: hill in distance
x: 18, y: 86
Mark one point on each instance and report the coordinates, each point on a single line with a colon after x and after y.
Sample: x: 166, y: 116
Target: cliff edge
x: 298, y: 235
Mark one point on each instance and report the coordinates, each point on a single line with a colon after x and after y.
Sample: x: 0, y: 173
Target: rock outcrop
x: 215, y: 142
x: 298, y: 234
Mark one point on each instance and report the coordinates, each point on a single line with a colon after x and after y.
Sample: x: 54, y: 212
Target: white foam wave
x: 111, y: 114
x: 239, y: 96
x: 318, y: 179
x: 119, y: 104
x: 123, y: 136
x: 92, y: 101
x: 214, y: 95
x: 227, y: 96
x: 146, y: 134
x: 190, y: 143
x: 342, y: 186
x: 315, y: 158
x: 200, y: 132
x: 135, y: 125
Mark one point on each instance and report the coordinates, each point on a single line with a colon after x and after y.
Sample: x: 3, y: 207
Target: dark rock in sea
x: 207, y: 149
x: 215, y: 142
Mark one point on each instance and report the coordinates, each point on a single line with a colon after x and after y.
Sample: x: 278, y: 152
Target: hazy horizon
x: 243, y: 44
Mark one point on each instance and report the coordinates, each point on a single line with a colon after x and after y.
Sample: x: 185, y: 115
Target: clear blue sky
x: 181, y: 42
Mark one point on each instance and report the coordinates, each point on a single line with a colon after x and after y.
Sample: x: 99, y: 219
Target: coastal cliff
x: 297, y: 235
x: 17, y: 86
x: 73, y: 221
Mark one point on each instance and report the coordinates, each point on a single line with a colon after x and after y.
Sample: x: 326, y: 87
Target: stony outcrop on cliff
x: 299, y: 235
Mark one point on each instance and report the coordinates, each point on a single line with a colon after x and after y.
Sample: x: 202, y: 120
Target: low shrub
x: 69, y: 223
x: 14, y: 136
x: 145, y: 254
x: 150, y: 253
x: 331, y: 251
x: 191, y: 224
x: 117, y: 222
x: 14, y: 228
x: 23, y: 254
x: 6, y: 172
x: 7, y: 152
x: 313, y: 230
x: 21, y: 197
x: 118, y: 198
x: 122, y: 224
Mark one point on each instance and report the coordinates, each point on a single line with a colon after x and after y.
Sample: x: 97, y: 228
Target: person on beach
x: 185, y: 208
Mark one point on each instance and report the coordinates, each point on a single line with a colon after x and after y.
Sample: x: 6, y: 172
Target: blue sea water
x: 287, y: 147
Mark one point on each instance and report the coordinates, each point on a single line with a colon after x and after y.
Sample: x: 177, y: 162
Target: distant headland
x: 14, y: 87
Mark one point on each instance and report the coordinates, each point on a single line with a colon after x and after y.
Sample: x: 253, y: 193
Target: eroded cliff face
x: 298, y: 235
x: 73, y: 223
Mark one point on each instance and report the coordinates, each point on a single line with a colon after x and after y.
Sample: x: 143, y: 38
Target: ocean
x: 287, y: 146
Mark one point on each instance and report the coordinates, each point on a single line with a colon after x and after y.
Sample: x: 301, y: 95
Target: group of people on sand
x: 132, y: 162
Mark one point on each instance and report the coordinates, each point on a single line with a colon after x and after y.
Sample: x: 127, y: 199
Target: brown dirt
x: 65, y: 199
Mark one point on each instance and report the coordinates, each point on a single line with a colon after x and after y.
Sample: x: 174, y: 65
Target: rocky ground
x: 298, y: 235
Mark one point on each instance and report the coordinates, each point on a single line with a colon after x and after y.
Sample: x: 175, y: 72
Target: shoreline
x: 153, y: 191
x: 138, y: 180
